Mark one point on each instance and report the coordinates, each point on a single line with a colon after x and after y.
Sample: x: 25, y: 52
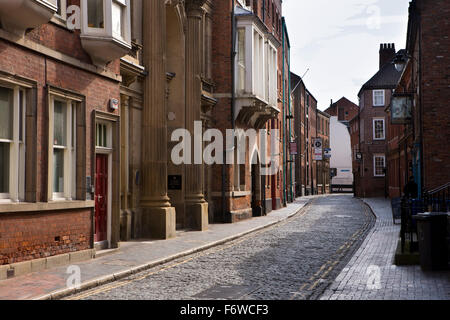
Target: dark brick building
x: 419, y: 145
x: 375, y: 96
x: 344, y: 109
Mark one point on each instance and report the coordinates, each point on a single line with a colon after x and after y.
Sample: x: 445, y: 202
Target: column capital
x: 194, y: 8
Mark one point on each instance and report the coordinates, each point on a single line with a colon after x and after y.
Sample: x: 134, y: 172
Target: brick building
x: 344, y: 109
x: 323, y: 166
x: 311, y: 176
x: 418, y: 136
x: 58, y: 89
x: 248, y: 90
x: 375, y: 96
x: 85, y: 128
x: 298, y: 94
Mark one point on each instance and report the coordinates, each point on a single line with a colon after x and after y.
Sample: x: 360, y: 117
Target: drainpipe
x: 233, y: 102
x: 290, y: 125
x: 284, y: 119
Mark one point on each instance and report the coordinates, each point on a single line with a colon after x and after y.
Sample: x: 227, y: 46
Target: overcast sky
x: 339, y: 41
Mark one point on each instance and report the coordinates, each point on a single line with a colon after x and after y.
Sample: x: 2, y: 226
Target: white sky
x: 339, y: 41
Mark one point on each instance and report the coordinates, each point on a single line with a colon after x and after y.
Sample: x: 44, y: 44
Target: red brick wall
x: 350, y: 110
x: 368, y: 185
x: 27, y: 236
x: 32, y: 235
x: 97, y: 90
x: 435, y: 51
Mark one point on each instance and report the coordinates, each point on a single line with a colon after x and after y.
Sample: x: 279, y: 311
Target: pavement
x: 134, y: 257
x: 371, y: 274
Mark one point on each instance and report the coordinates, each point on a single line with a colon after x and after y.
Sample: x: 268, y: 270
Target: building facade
x: 311, y: 176
x: 417, y: 136
x: 343, y: 109
x: 59, y: 90
x: 247, y: 60
x: 371, y: 146
x: 341, y: 156
x: 323, y: 165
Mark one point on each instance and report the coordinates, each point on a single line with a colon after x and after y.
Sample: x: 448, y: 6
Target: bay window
x: 271, y: 77
x: 61, y: 12
x: 19, y: 15
x: 241, y: 61
x: 106, y: 29
x: 12, y: 146
x: 62, y: 151
x: 256, y: 70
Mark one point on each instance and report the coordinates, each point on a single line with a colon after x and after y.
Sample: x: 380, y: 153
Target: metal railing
x: 436, y: 200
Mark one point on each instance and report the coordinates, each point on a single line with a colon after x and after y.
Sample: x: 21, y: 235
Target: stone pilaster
x: 158, y: 216
x: 196, y: 206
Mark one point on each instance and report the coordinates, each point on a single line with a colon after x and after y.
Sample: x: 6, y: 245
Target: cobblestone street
x: 297, y: 259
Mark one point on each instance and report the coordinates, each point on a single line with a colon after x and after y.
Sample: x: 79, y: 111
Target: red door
x: 101, y: 198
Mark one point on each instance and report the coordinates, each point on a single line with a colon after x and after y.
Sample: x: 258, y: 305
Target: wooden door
x: 101, y: 198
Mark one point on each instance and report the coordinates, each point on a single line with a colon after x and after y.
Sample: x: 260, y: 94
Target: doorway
x: 101, y: 198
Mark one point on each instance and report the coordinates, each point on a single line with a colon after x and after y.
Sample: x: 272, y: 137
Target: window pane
x: 58, y: 170
x: 4, y: 167
x: 6, y: 113
x: 60, y: 124
x: 117, y: 11
x: 95, y: 14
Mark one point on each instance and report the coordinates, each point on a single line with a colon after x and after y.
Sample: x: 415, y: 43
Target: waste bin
x: 433, y: 246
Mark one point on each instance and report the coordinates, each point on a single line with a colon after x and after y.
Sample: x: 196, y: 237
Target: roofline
x: 324, y: 113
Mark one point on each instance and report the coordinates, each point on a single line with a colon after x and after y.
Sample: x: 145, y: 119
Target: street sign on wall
x: 293, y: 149
x: 318, y: 149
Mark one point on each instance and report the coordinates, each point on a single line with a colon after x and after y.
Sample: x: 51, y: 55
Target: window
x: 118, y: 17
x: 379, y: 165
x: 12, y: 146
x: 241, y: 60
x: 62, y: 157
x: 271, y: 76
x: 378, y: 98
x: 106, y: 20
x: 378, y: 129
x: 61, y: 13
x: 242, y: 177
x: 103, y: 136
x: 96, y: 14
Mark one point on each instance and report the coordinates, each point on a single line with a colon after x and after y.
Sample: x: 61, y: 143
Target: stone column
x: 196, y: 206
x: 158, y: 216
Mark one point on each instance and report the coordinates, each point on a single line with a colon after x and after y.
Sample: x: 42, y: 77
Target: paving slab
x: 372, y: 266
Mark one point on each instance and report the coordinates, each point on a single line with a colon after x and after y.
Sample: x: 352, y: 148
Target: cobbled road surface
x: 297, y: 259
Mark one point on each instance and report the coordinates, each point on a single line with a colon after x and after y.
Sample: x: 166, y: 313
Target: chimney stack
x: 387, y: 53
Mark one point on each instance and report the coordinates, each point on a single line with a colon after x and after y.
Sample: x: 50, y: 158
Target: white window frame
x: 69, y: 192
x: 272, y: 72
x: 107, y: 30
x: 375, y: 95
x: 17, y: 148
x: 63, y: 15
x: 375, y: 157
x: 374, y: 129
